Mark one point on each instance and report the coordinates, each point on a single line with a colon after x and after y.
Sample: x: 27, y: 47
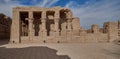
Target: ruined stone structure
x: 5, y: 23
x: 56, y: 25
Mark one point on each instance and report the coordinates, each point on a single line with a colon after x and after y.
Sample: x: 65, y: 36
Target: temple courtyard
x: 60, y: 51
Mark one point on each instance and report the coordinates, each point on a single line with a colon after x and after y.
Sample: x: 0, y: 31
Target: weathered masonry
x: 35, y: 24
x: 5, y: 25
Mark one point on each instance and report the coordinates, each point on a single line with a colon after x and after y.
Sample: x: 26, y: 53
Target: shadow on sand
x: 30, y: 53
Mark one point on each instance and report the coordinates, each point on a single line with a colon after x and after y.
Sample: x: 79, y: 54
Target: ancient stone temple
x: 56, y: 25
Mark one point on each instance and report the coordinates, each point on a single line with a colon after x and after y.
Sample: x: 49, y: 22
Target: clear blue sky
x: 89, y: 11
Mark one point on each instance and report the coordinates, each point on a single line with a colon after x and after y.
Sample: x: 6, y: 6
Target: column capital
x: 29, y: 19
x: 43, y: 14
x: 57, y: 14
x: 69, y: 14
x: 30, y: 14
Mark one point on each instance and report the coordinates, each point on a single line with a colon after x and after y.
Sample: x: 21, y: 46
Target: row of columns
x: 30, y: 26
x: 43, y: 31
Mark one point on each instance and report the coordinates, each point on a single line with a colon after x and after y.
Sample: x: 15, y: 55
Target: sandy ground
x: 74, y: 50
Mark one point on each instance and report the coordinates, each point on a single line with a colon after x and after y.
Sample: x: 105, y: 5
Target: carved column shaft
x: 56, y: 24
x: 56, y: 20
x: 43, y: 21
x: 43, y: 14
x: 69, y: 19
x: 69, y: 25
x: 30, y: 26
x: 43, y: 25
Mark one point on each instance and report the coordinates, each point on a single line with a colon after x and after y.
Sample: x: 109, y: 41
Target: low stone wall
x: 84, y: 38
x: 4, y: 34
x: 90, y: 38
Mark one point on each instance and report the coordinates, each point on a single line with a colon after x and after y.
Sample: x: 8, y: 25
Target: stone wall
x: 82, y: 38
x: 5, y: 23
x: 112, y: 30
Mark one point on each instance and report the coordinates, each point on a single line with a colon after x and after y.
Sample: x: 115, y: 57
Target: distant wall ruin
x: 5, y: 25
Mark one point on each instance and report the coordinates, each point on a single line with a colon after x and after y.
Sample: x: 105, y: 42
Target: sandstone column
x: 69, y: 25
x: 30, y: 26
x: 56, y: 20
x: 43, y: 30
x: 69, y: 20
